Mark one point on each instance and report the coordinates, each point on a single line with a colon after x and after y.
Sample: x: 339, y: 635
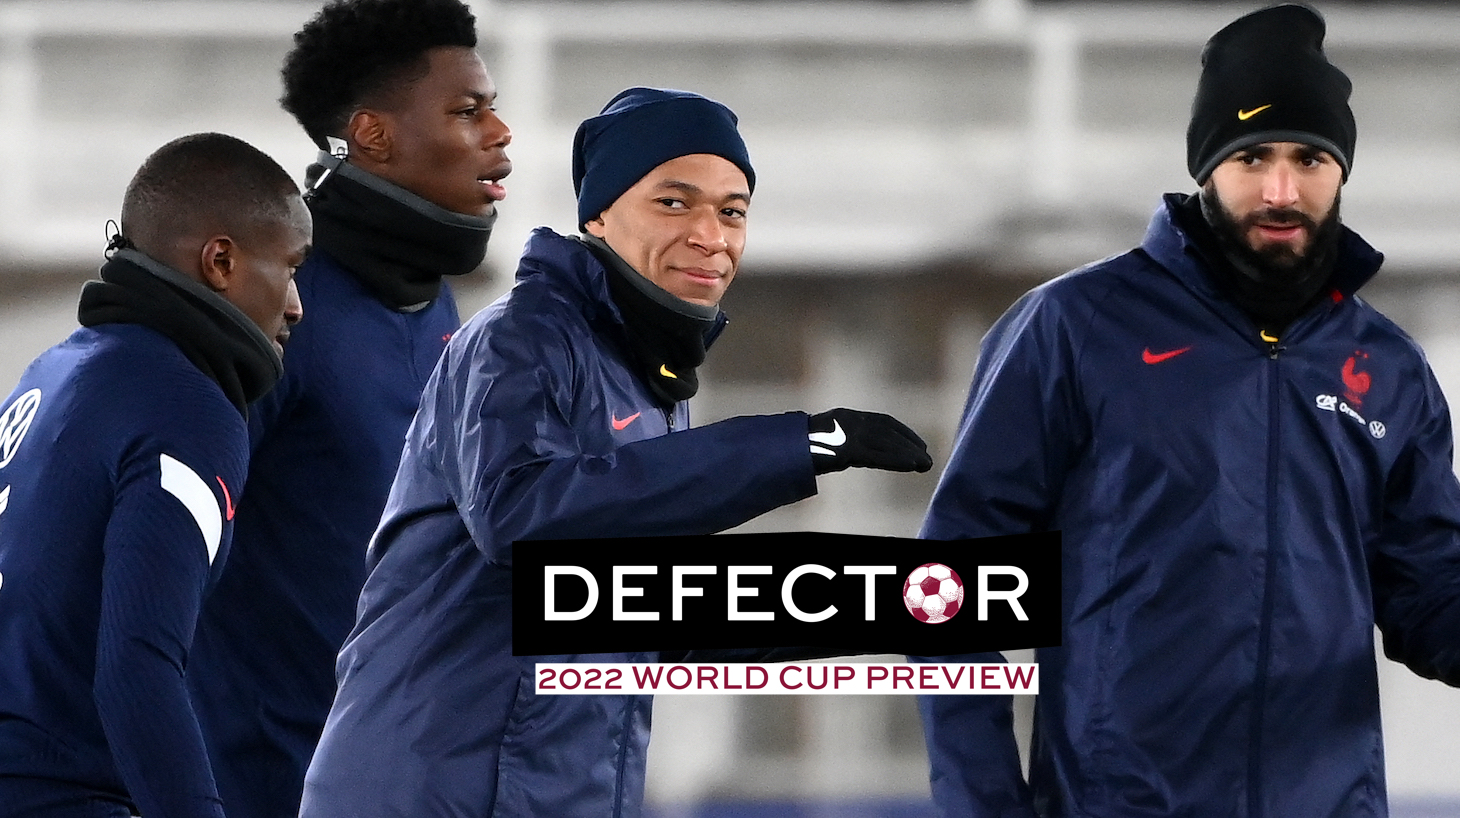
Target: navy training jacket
x: 1237, y: 515
x: 120, y: 464
x: 326, y: 442
x: 532, y: 426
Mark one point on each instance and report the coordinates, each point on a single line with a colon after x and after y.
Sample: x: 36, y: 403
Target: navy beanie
x: 641, y: 129
x: 1265, y: 78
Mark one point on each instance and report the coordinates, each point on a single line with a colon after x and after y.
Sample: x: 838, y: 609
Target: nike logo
x: 1157, y: 357
x: 1246, y: 115
x: 227, y: 499
x: 620, y: 425
x: 834, y: 438
x: 664, y: 370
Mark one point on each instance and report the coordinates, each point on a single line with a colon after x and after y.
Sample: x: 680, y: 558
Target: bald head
x: 200, y: 186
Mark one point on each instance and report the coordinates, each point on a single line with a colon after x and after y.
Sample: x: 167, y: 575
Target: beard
x: 1276, y: 264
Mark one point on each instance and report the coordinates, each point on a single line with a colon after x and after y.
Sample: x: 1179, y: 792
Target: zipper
x: 669, y: 417
x: 1273, y: 345
x: 1269, y: 581
x: 626, y: 738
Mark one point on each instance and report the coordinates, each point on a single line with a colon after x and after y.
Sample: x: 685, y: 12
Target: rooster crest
x: 1355, y: 384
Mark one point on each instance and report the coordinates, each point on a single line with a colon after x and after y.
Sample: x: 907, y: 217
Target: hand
x: 843, y: 438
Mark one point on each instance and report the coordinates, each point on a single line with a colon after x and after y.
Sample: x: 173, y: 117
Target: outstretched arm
x: 519, y: 468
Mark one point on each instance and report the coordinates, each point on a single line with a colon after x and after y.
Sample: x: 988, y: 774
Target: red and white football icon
x: 933, y: 593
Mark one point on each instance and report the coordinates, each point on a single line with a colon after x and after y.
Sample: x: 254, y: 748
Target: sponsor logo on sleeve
x: 15, y: 422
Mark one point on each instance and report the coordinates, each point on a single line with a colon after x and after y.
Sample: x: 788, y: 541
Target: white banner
x: 810, y: 678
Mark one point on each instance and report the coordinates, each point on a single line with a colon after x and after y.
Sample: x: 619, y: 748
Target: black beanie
x: 1265, y: 78
x: 641, y: 129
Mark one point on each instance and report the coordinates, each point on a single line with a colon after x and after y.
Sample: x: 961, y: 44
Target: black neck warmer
x: 218, y: 338
x: 666, y: 334
x: 1272, y: 298
x: 397, y: 243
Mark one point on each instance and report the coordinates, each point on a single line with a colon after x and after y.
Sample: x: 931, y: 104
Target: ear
x: 596, y: 227
x: 369, y: 135
x: 218, y: 263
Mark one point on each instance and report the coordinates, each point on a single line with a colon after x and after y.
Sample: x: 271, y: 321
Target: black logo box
x: 705, y: 625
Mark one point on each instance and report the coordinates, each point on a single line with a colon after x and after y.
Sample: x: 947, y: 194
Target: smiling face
x: 439, y: 136
x: 682, y: 226
x: 1276, y: 195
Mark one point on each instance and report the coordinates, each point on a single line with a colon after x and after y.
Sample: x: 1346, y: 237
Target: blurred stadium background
x: 920, y: 165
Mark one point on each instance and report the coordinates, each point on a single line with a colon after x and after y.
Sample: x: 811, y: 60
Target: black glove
x: 843, y: 438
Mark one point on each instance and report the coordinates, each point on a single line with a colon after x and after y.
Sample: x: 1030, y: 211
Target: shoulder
x: 1098, y: 278
x: 136, y: 376
x: 532, y: 325
x: 333, y: 299
x: 322, y: 273
x: 542, y: 340
x: 557, y: 302
x: 121, y: 394
x: 337, y: 302
x: 1380, y: 328
x: 1076, y: 294
x: 346, y: 329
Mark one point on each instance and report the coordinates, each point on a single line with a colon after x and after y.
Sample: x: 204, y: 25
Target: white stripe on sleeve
x: 183, y: 483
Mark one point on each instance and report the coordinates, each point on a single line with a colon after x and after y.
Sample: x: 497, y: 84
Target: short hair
x: 203, y: 182
x: 354, y: 50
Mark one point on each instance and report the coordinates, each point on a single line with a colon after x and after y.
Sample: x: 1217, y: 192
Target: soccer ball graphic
x: 933, y: 593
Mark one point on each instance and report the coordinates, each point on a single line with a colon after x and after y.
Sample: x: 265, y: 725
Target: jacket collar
x: 397, y: 243
x: 569, y: 262
x: 217, y: 337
